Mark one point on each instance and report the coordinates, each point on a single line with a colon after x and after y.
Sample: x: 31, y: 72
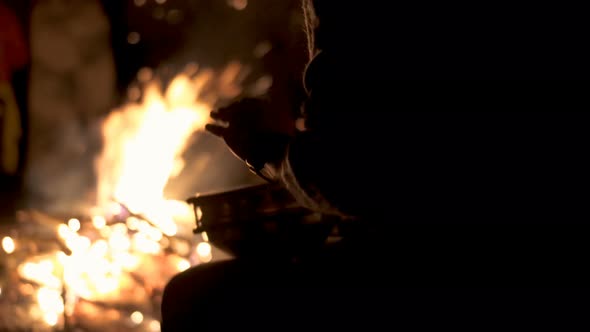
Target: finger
x: 247, y: 107
x: 219, y: 115
x: 215, y: 129
x: 225, y: 113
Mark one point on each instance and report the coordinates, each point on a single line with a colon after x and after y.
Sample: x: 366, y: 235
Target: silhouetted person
x: 387, y: 114
x: 467, y: 190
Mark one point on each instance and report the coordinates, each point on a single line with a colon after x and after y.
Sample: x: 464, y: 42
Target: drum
x: 259, y: 221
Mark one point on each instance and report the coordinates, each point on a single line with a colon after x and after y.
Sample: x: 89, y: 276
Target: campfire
x: 106, y: 270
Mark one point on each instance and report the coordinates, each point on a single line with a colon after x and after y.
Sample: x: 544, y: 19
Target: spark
x: 8, y: 245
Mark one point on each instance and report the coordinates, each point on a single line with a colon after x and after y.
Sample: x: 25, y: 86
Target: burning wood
x: 112, y: 267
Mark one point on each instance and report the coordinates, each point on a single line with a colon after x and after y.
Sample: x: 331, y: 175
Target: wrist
x: 267, y: 160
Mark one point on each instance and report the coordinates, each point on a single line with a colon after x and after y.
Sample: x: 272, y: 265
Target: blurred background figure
x: 13, y: 61
x: 72, y: 83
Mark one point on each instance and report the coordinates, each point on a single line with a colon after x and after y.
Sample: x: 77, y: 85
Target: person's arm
x: 296, y: 172
x: 325, y: 167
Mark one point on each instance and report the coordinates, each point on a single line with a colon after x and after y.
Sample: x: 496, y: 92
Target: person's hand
x: 247, y: 128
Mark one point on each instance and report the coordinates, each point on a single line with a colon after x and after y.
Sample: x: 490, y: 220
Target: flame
x: 143, y: 144
x: 144, y: 140
x: 204, y: 252
x: 136, y: 317
x: 74, y: 224
x: 133, y: 223
x: 51, y: 304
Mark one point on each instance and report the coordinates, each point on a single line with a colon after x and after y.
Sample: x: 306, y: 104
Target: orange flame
x: 144, y: 141
x: 143, y: 146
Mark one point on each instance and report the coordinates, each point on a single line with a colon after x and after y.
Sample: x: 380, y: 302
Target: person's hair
x: 311, y: 23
